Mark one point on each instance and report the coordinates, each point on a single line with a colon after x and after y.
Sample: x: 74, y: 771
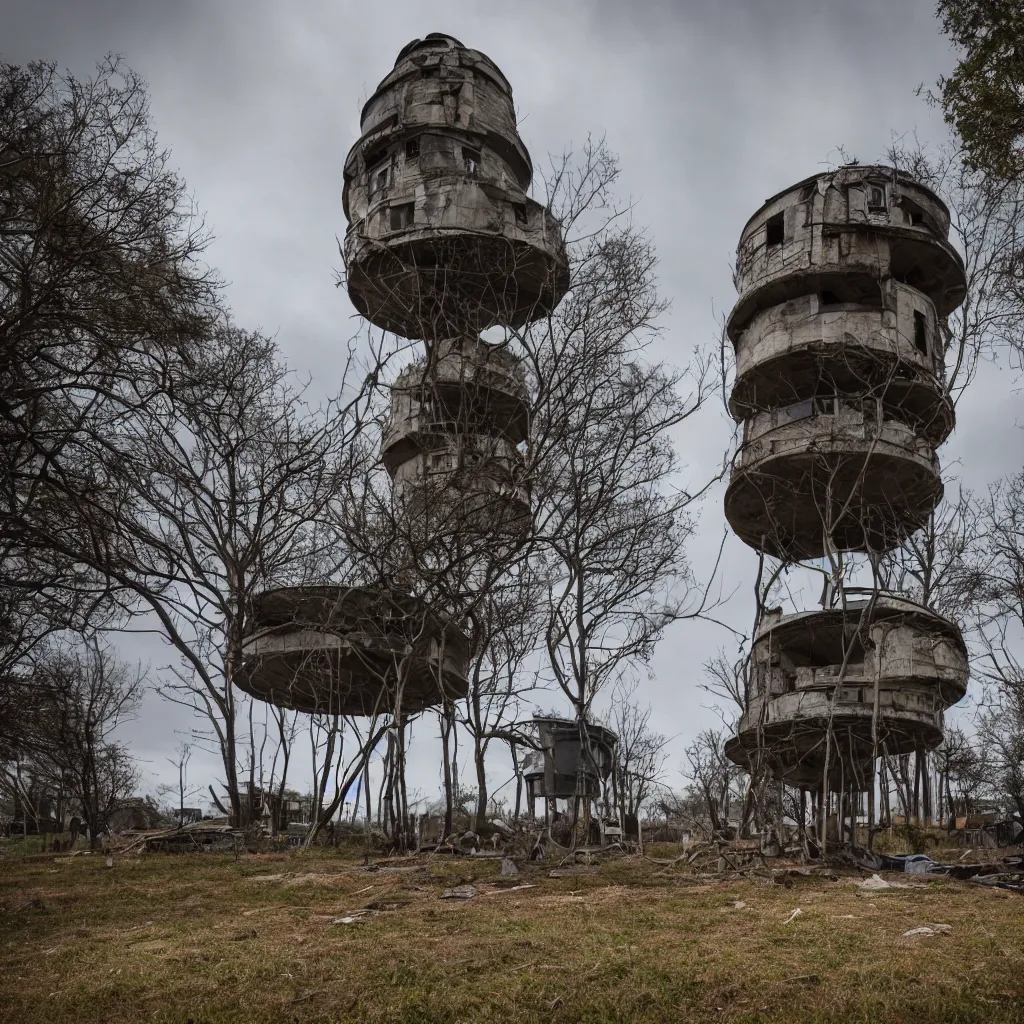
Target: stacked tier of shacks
x: 844, y: 281
x: 443, y: 243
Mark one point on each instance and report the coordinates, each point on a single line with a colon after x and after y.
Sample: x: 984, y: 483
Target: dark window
x: 828, y: 299
x: 520, y: 211
x: 776, y: 229
x: 824, y: 405
x: 471, y: 161
x: 380, y: 178
x: 412, y: 149
x: 876, y: 197
x: 401, y: 216
x: 375, y: 156
x: 430, y: 72
x: 921, y: 332
x: 914, y: 213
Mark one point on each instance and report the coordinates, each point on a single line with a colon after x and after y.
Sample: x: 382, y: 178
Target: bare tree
x: 102, y: 296
x: 713, y: 776
x: 503, y: 624
x: 987, y: 226
x: 611, y: 516
x: 995, y: 583
x: 225, y: 495
x: 640, y: 753
x: 963, y: 774
x: 78, y: 698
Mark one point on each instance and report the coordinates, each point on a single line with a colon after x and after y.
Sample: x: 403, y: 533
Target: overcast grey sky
x: 713, y: 105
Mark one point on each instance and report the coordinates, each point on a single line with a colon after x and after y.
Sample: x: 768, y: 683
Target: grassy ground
x: 207, y: 939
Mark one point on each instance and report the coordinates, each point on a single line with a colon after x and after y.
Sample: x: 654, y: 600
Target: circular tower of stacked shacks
x: 443, y: 242
x: 844, y: 283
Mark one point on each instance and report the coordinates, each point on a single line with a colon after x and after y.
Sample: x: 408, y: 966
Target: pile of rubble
x: 202, y: 836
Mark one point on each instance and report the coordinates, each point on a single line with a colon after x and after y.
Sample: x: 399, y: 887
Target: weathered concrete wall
x: 345, y: 650
x: 844, y: 280
x: 826, y: 230
x: 915, y: 660
x: 439, y: 182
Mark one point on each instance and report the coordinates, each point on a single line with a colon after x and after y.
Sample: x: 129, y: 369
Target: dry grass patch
x: 209, y: 939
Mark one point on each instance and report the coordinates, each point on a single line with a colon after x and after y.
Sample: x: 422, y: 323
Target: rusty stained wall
x: 807, y: 321
x: 440, y: 134
x: 827, y: 227
x: 918, y: 660
x: 846, y: 425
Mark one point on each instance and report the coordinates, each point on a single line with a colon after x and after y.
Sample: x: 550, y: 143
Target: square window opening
x: 828, y: 299
x: 920, y: 332
x: 412, y: 149
x: 471, y: 161
x: 776, y: 230
x: 876, y: 197
x: 380, y: 179
x: 375, y: 156
x: 915, y: 215
x: 519, y: 209
x: 401, y: 217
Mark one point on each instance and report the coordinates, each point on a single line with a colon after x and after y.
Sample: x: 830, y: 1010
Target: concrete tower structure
x: 443, y: 239
x: 844, y: 283
x: 443, y: 242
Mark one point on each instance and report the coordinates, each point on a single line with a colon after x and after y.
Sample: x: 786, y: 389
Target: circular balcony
x: 820, y: 670
x: 866, y: 224
x: 830, y: 467
x: 786, y: 736
x: 819, y: 344
x: 455, y: 257
x: 467, y: 489
x: 350, y: 651
x: 465, y: 386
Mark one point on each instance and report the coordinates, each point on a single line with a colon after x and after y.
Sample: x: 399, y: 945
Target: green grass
x: 208, y: 939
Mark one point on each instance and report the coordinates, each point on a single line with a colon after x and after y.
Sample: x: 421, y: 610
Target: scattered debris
x: 459, y: 892
x: 877, y: 882
x: 1012, y: 880
x: 346, y: 920
x: 927, y: 930
x: 792, y: 917
x: 910, y: 863
x: 738, y: 904
x: 242, y: 936
x: 198, y: 837
x: 508, y: 866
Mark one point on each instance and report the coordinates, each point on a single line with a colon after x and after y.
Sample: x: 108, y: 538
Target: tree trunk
x: 447, y: 721
x: 479, y: 756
